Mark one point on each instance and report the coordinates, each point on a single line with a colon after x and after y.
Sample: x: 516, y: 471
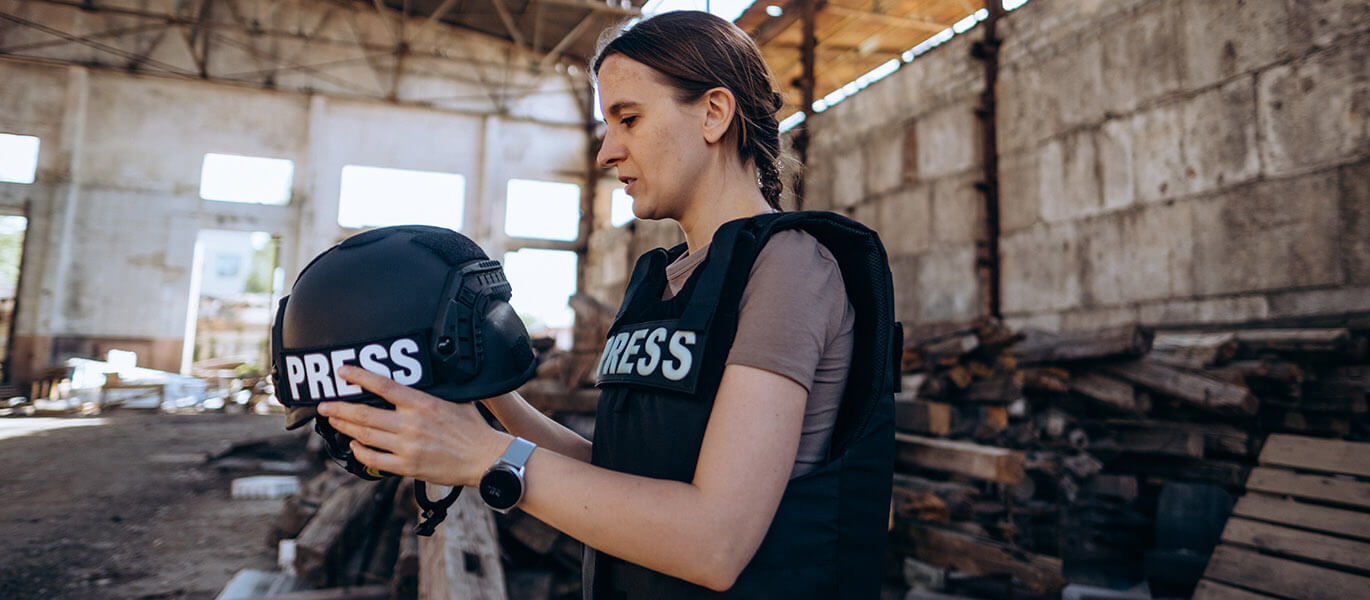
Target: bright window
x: 379, y: 197
x: 249, y: 179
x: 621, y: 210
x: 18, y: 158
x: 543, y: 280
x: 542, y: 209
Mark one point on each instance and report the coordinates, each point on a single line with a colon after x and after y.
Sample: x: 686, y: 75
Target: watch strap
x: 518, y: 452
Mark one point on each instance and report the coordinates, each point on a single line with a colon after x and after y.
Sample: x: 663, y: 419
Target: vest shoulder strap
x: 861, y: 257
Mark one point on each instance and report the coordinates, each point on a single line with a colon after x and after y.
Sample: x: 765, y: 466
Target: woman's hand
x: 424, y: 437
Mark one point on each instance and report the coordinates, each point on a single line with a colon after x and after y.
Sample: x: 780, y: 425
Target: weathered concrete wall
x: 115, y: 208
x: 1161, y: 160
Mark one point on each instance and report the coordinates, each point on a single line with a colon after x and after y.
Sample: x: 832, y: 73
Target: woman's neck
x: 734, y: 195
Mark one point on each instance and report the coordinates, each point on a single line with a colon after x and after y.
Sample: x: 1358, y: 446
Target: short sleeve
x: 792, y: 308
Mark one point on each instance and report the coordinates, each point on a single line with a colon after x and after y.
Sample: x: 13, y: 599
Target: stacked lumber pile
x: 1028, y: 459
x: 350, y: 532
x: 1303, y: 528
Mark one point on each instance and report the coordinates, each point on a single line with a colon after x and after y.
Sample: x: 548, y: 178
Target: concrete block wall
x: 114, y: 212
x: 1163, y: 161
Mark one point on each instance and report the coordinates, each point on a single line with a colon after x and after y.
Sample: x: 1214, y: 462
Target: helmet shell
x: 422, y: 305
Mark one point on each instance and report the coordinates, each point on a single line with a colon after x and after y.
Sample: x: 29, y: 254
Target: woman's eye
x: 628, y: 121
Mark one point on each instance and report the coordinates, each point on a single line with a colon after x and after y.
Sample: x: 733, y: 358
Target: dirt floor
x: 123, y: 506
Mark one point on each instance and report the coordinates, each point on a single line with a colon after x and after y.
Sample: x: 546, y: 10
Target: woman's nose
x: 611, y: 152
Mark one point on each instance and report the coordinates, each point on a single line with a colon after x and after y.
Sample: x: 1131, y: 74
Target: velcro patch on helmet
x: 655, y: 354
x: 311, y: 376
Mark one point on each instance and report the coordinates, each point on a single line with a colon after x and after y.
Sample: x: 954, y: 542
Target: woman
x: 714, y: 465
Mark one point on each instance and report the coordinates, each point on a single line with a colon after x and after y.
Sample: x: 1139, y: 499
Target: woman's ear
x: 719, y: 107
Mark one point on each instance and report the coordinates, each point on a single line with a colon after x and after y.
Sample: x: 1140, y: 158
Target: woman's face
x: 656, y: 143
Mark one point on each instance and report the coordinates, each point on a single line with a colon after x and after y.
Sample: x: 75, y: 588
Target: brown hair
x: 696, y: 52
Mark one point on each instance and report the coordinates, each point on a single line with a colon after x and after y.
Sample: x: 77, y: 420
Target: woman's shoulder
x: 796, y: 250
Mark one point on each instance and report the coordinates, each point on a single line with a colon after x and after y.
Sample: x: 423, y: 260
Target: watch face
x: 501, y: 489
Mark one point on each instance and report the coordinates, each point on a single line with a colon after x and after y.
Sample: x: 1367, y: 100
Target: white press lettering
x: 339, y: 358
x: 625, y: 362
x: 294, y: 373
x: 403, y: 352
x: 616, y: 346
x: 604, y: 356
x: 370, y: 358
x: 683, y: 359
x: 645, y: 366
x: 316, y: 371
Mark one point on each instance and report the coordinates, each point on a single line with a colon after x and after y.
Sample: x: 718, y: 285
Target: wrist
x: 491, y: 452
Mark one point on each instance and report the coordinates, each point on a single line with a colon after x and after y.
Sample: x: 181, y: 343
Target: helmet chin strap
x: 434, y: 511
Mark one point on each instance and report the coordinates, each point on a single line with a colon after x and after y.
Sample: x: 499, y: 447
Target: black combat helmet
x: 421, y: 305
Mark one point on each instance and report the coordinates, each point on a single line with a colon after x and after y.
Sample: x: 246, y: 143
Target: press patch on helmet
x: 311, y: 376
x: 654, y: 354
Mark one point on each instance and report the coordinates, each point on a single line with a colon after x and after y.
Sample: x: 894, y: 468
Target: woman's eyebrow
x: 619, y: 107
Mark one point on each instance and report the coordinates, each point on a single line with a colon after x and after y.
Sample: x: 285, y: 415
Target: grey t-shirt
x: 795, y: 320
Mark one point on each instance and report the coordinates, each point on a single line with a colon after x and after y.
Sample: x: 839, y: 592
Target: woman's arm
x: 521, y: 419
x: 704, y: 531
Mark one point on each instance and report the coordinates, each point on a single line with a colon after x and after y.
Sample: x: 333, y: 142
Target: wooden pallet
x: 1302, y: 531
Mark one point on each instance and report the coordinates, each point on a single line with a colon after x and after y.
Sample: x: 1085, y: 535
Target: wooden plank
x: 982, y: 462
x: 461, y: 560
x: 1205, y: 348
x: 1196, y: 390
x: 1294, y: 580
x: 1000, y: 389
x: 1212, y: 590
x: 1219, y: 438
x: 1153, y: 441
x: 1108, y: 391
x: 1313, y: 487
x: 1299, y: 514
x: 1300, y: 341
x: 977, y: 556
x: 1314, y: 454
x: 322, y: 547
x: 1298, y: 543
x: 1115, y: 342
x: 921, y: 416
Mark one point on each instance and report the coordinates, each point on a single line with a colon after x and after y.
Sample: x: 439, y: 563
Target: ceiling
x: 550, y: 29
x: 852, y: 37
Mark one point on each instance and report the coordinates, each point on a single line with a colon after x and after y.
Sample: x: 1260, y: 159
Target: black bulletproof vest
x: 660, y: 372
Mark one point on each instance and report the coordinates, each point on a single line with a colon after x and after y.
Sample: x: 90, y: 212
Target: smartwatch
x: 502, y: 485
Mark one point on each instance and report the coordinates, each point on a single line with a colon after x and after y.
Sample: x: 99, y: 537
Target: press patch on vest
x: 311, y: 376
x: 652, y: 354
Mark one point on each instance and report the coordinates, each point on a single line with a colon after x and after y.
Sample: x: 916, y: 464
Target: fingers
x: 370, y: 436
x: 350, y: 412
x: 380, y: 385
x: 383, y: 461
